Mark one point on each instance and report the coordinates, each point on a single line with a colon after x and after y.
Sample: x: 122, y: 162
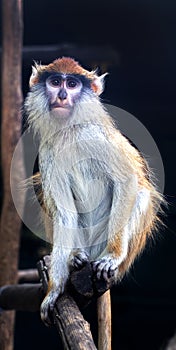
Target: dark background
x: 135, y: 42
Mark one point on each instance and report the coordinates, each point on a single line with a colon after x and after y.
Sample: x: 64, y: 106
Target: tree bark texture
x: 10, y: 134
x: 73, y: 329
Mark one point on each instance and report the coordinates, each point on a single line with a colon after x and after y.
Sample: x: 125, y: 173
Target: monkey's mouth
x: 59, y: 105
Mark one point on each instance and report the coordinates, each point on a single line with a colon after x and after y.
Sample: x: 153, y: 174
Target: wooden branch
x: 28, y: 275
x: 73, y: 329
x: 28, y: 296
x: 81, y: 289
x: 22, y: 297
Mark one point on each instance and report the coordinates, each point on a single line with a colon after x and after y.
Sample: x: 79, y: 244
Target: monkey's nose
x: 62, y: 94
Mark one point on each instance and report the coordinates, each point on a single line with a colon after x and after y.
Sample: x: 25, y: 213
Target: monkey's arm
x: 133, y: 213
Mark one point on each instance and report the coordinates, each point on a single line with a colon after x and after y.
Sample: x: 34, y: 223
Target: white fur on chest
x: 77, y: 188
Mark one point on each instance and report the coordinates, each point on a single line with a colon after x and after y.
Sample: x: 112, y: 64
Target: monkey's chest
x: 81, y: 198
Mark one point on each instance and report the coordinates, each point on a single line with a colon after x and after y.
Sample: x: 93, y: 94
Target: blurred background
x: 135, y: 42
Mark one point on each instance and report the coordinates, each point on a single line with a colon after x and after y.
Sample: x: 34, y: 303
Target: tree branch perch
x: 81, y: 289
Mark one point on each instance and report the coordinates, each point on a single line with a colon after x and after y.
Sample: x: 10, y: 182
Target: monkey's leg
x: 58, y: 277
x: 62, y: 260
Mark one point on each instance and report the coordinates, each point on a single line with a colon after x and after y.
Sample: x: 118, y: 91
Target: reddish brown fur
x: 65, y: 65
x: 68, y: 65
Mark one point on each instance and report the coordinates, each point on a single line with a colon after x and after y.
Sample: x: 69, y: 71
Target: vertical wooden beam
x: 104, y: 321
x: 10, y: 134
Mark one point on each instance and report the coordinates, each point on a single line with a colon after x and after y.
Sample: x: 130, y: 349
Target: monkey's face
x: 63, y: 91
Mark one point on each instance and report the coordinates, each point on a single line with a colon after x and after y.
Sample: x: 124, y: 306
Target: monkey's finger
x: 98, y: 267
x: 109, y: 272
x: 79, y: 259
x: 105, y: 268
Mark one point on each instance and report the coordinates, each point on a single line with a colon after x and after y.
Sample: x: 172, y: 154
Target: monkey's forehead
x: 66, y: 65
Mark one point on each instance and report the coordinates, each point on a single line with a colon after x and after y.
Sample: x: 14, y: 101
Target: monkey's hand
x: 48, y: 303
x: 78, y: 258
x: 106, y: 268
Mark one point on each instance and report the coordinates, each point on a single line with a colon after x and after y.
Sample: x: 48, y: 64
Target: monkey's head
x: 63, y: 83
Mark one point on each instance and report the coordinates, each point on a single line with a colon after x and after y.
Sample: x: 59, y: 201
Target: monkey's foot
x: 78, y: 259
x: 106, y: 268
x: 47, y: 305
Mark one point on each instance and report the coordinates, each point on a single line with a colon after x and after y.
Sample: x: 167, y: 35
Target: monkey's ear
x: 97, y: 84
x: 35, y: 72
x: 34, y: 76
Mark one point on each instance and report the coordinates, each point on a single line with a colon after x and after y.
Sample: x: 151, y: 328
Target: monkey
x: 101, y: 201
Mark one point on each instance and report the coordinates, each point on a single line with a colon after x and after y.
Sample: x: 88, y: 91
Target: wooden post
x: 104, y: 321
x: 10, y: 134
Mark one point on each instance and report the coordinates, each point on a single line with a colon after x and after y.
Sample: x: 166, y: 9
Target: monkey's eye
x: 55, y: 82
x: 72, y: 83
